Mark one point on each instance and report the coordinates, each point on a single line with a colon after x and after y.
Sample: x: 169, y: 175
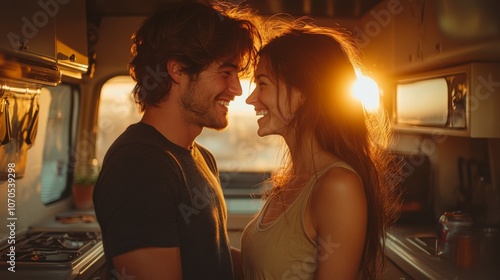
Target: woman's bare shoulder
x: 339, y: 179
x: 338, y: 189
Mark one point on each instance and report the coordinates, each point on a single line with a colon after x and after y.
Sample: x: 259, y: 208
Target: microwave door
x: 423, y: 103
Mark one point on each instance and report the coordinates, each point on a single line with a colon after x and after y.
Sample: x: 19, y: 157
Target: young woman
x: 326, y: 215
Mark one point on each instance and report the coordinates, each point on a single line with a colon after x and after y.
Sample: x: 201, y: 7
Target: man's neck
x: 169, y: 122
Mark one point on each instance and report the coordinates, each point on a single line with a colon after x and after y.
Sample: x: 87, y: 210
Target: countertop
x: 72, y: 220
x: 420, y: 264
x: 400, y: 245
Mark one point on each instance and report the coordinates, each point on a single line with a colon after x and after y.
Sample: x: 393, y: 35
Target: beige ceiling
x: 317, y: 8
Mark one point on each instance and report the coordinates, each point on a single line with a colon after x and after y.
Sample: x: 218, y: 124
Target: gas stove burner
x: 70, y: 244
x: 53, y: 246
x: 53, y: 255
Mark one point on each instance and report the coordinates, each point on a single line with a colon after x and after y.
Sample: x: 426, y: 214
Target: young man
x: 158, y: 198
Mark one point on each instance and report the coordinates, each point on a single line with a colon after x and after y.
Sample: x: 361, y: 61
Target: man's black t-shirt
x: 153, y: 193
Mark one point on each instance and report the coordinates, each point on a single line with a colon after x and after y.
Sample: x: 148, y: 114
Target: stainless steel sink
x: 426, y: 243
x: 413, y: 250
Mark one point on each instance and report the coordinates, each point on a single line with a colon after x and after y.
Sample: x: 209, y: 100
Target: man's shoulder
x: 138, y: 144
x: 139, y: 135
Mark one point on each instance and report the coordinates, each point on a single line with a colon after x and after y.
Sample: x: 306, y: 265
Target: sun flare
x: 238, y: 105
x: 366, y: 90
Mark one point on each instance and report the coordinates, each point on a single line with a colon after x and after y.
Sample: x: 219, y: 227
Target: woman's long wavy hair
x: 321, y: 62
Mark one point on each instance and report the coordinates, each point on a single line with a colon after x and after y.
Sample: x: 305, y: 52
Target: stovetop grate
x: 51, y: 247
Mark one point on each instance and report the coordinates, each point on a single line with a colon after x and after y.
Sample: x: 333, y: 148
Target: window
x: 117, y: 110
x: 59, y: 141
x: 237, y: 149
x: 244, y: 159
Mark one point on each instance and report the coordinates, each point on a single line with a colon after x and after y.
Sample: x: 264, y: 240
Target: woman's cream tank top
x: 281, y: 249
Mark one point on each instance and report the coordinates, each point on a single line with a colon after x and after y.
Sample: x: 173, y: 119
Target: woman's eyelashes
x: 260, y: 83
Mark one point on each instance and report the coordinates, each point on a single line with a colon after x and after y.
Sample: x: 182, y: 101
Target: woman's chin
x: 262, y: 132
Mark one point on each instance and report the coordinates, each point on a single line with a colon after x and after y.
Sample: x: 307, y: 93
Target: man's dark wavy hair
x: 196, y: 35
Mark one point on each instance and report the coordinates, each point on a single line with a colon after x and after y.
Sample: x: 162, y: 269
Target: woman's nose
x: 251, y: 99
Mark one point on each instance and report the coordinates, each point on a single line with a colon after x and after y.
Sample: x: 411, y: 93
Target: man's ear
x: 174, y: 69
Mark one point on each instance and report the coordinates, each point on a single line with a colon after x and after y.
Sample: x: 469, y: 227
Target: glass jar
x: 450, y: 223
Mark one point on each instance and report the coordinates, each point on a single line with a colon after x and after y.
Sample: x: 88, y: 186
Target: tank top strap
x: 341, y: 164
x: 300, y: 202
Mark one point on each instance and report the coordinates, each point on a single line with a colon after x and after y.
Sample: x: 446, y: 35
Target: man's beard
x: 201, y: 110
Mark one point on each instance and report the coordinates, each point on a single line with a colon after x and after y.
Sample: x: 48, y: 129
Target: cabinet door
x: 28, y: 30
x: 71, y: 36
x: 436, y: 34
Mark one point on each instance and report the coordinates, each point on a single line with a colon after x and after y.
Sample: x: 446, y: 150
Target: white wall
x: 29, y: 208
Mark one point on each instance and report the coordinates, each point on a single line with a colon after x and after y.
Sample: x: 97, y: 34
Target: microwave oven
x: 462, y: 100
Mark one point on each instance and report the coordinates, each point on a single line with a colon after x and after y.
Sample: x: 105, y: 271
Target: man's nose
x: 235, y: 86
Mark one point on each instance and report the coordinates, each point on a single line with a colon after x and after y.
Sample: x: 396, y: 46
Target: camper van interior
x: 65, y: 96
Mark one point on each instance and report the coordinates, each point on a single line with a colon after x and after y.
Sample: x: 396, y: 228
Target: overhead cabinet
x: 50, y: 33
x: 436, y: 34
x: 27, y: 33
x: 71, y: 37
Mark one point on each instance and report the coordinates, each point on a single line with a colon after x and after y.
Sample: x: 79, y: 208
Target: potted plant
x: 83, y: 185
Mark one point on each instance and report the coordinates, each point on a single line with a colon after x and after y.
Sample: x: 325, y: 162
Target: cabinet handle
x: 61, y: 56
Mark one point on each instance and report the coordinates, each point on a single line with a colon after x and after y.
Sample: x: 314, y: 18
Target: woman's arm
x: 339, y: 217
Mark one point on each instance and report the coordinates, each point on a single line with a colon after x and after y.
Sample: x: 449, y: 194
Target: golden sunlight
x: 366, y: 90
x: 238, y: 105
